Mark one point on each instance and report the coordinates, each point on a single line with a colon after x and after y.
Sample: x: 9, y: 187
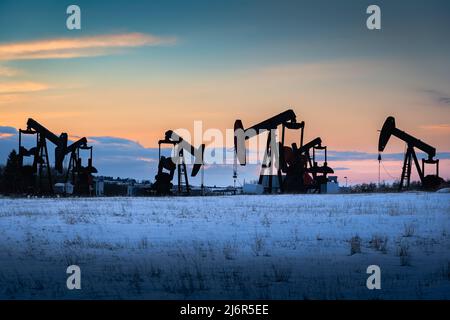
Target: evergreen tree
x: 1, y: 180
x: 11, y: 177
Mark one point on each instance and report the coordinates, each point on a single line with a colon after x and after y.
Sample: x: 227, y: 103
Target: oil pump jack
x: 428, y: 181
x: 296, y: 162
x: 41, y: 163
x: 299, y: 160
x: 39, y: 174
x: 168, y: 165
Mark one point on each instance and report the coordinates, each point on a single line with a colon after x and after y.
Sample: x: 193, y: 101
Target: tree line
x: 11, y: 180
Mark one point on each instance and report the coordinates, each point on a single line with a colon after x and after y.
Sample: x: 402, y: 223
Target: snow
x: 230, y: 247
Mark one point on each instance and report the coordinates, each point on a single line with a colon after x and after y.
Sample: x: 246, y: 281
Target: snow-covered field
x: 237, y: 247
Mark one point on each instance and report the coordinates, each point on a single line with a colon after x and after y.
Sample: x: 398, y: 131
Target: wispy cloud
x: 444, y: 127
x: 21, y: 87
x: 64, y: 48
x: 7, y: 132
x: 439, y: 96
x: 8, y: 72
x: 341, y: 168
x: 362, y: 156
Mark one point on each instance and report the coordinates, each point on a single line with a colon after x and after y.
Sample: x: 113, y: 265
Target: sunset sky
x: 139, y: 68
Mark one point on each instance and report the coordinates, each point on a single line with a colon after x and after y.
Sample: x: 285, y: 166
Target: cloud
x: 445, y: 127
x: 8, y: 98
x: 355, y: 156
x: 64, y: 48
x: 108, y: 140
x: 8, y: 130
x: 350, y: 155
x: 115, y: 156
x: 8, y: 142
x: 439, y: 97
x: 21, y: 87
x: 340, y: 168
x: 8, y: 72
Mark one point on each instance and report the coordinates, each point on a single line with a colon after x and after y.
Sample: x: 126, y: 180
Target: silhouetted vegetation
x: 11, y: 176
x: 387, y: 187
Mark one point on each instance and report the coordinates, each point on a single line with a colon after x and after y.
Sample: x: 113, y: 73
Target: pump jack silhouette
x: 302, y: 172
x: 39, y: 175
x: 428, y: 181
x: 167, y: 165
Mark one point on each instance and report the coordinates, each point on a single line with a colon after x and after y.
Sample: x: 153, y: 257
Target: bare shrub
x: 447, y: 271
x: 72, y: 219
x: 355, y: 245
x: 69, y: 219
x: 230, y: 250
x: 265, y: 221
x: 72, y: 258
x: 379, y: 243
x: 403, y: 253
x: 77, y: 241
x: 184, y: 282
x: 136, y: 281
x: 200, y: 249
x: 143, y: 243
x: 90, y: 243
x: 155, y: 272
x: 281, y: 273
x: 409, y: 230
x: 393, y: 209
x: 258, y: 245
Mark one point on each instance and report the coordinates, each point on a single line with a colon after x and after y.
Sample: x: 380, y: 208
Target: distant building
x: 253, y: 188
x: 99, y: 187
x: 332, y: 186
x: 63, y: 188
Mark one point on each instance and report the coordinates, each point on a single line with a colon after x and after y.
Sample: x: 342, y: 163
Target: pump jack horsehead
x: 432, y: 181
x: 297, y: 170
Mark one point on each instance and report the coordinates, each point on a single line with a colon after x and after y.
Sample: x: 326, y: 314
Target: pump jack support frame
x: 40, y: 160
